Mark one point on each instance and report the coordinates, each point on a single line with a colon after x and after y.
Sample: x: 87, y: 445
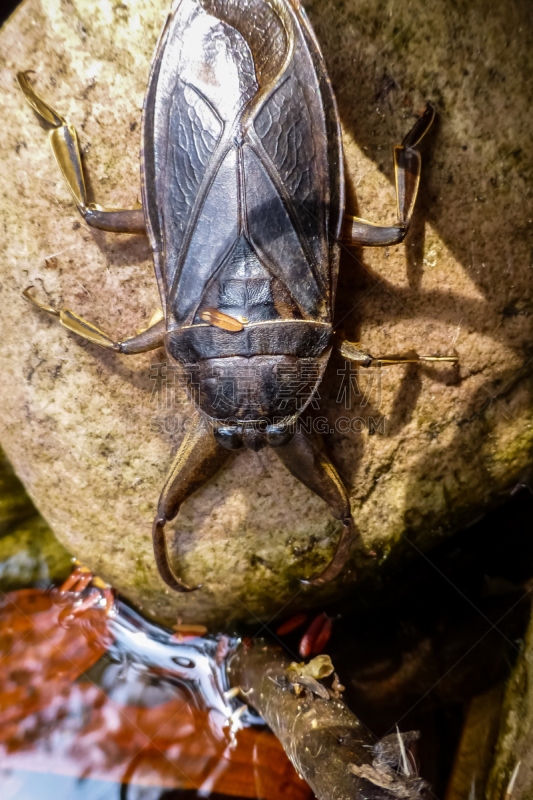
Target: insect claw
x: 49, y: 309
x: 162, y: 560
x: 335, y: 566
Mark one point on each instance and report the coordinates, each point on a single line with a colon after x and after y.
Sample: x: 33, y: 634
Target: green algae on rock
x: 14, y: 501
x: 30, y: 555
x: 91, y: 434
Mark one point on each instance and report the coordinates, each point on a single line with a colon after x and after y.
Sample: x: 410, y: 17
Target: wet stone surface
x: 86, y: 432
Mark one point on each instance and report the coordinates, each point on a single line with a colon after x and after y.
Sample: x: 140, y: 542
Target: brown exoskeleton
x: 243, y: 203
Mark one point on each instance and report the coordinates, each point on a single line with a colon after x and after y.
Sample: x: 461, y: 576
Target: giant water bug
x: 243, y: 203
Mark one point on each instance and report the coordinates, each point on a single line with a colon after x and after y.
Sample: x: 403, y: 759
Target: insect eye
x: 278, y: 435
x: 230, y: 438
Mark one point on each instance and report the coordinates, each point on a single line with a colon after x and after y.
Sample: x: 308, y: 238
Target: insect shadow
x: 480, y: 211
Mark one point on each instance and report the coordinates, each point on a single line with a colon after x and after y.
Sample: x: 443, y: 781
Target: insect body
x: 243, y: 203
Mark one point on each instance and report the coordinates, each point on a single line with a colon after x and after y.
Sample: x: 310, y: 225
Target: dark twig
x: 328, y: 745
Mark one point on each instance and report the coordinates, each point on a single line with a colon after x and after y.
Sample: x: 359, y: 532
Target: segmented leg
x: 353, y: 353
x: 305, y: 459
x: 407, y: 165
x: 197, y: 460
x: 149, y: 339
x: 64, y: 141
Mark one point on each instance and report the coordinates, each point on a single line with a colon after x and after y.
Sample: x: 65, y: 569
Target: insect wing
x: 194, y: 93
x: 237, y: 143
x: 290, y: 140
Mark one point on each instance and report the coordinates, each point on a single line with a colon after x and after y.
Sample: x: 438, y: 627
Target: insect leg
x: 197, y: 460
x: 407, y: 165
x: 351, y: 352
x: 64, y: 141
x: 149, y: 339
x: 304, y: 457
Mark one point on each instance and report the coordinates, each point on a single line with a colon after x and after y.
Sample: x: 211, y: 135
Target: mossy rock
x: 30, y: 555
x: 79, y: 424
x: 14, y: 501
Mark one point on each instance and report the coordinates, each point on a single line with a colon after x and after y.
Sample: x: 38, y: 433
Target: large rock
x: 83, y: 427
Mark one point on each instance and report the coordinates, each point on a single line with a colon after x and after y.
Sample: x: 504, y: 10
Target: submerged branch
x: 328, y: 745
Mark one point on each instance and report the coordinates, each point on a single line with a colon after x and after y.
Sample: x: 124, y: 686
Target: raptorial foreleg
x: 198, y: 459
x: 305, y: 458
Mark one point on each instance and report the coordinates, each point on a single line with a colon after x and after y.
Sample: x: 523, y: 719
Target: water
x: 98, y: 707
